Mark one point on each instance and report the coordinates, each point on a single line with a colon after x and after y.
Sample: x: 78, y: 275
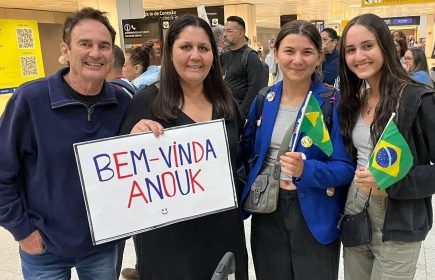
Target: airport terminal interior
x: 263, y: 19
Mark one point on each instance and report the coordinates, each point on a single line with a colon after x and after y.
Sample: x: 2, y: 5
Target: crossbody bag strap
x: 367, y: 204
x: 282, y: 150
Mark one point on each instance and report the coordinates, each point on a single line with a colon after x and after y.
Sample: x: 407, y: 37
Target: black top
x: 88, y: 100
x: 244, y: 86
x: 190, y: 249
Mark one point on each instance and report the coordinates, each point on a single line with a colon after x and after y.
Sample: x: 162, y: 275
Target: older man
x: 41, y: 200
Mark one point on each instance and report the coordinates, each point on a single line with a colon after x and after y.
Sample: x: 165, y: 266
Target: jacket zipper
x: 89, y: 109
x: 89, y: 114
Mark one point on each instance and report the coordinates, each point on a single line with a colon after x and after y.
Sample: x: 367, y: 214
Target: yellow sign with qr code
x: 20, y: 53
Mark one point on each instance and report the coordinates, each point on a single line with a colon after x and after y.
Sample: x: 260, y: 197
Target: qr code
x: 29, y: 66
x: 25, y: 38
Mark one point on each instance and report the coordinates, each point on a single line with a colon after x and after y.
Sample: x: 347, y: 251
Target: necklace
x: 370, y: 109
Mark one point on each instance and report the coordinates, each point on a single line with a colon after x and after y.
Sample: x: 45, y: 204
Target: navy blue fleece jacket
x: 39, y: 181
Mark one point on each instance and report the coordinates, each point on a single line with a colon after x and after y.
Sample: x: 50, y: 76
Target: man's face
x: 232, y: 33
x: 90, y: 53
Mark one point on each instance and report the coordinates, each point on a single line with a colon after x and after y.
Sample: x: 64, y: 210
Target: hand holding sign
x: 148, y: 125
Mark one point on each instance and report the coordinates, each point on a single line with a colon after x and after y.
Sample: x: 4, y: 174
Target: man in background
x: 244, y: 82
x: 218, y: 35
x: 118, y: 63
x: 115, y: 75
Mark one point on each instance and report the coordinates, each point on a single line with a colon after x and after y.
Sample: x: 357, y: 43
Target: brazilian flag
x: 314, y: 127
x: 391, y: 159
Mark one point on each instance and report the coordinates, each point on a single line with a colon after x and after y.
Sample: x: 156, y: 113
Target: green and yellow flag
x: 314, y: 127
x: 391, y: 159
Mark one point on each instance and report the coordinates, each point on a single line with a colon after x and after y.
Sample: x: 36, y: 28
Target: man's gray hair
x: 218, y: 32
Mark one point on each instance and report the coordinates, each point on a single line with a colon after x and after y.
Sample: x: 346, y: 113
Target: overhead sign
x: 135, y: 183
x: 140, y: 28
x: 20, y: 53
x: 413, y: 20
x: 375, y: 3
x: 214, y: 14
x: 138, y: 31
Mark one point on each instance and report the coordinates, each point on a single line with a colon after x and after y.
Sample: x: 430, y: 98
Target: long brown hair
x: 352, y: 88
x: 171, y: 97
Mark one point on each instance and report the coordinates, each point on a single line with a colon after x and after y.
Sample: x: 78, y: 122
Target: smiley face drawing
x: 165, y: 211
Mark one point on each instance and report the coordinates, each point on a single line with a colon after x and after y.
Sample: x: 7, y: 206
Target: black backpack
x: 264, y: 67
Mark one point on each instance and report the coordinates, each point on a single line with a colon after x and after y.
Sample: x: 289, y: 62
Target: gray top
x: 362, y: 142
x: 286, y: 115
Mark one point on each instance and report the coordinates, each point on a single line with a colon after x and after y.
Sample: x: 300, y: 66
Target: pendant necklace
x: 370, y: 109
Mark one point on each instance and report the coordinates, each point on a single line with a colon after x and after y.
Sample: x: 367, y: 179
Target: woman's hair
x: 401, y: 34
x: 303, y: 28
x: 353, y: 89
x: 171, y: 97
x: 403, y: 46
x: 420, y: 61
x: 143, y: 55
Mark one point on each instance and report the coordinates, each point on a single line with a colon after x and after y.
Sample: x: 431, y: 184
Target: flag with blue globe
x: 391, y: 159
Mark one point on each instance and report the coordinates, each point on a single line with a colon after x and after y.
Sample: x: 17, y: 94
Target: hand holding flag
x: 391, y: 159
x: 313, y: 125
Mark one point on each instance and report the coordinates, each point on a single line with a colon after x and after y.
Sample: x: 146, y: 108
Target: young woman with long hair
x: 374, y: 85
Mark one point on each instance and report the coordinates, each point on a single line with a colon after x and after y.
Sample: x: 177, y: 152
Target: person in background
x: 401, y: 47
x: 330, y: 64
x: 41, y: 197
x: 401, y: 216
x: 298, y: 236
x: 415, y: 63
x: 118, y: 63
x: 191, y: 91
x: 140, y: 65
x: 260, y: 51
x: 337, y: 47
x: 244, y: 82
x: 218, y: 33
x: 399, y: 34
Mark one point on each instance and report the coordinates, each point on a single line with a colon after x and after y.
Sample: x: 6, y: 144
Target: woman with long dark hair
x: 191, y: 91
x: 415, y: 63
x: 373, y: 85
x: 401, y: 47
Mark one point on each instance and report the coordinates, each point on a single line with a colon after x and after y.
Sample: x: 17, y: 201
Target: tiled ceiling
x: 268, y: 11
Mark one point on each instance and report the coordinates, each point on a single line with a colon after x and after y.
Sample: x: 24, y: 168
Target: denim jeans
x: 46, y: 266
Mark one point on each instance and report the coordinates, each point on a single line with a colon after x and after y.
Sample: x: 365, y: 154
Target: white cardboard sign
x: 137, y: 182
